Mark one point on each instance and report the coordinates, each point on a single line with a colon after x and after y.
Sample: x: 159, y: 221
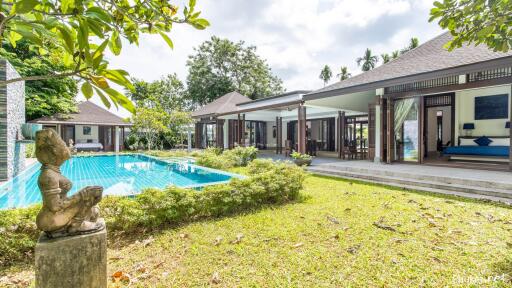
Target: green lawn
x: 342, y: 234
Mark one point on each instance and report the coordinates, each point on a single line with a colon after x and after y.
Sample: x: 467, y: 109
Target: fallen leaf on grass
x: 121, y: 276
x: 300, y: 244
x: 353, y: 249
x: 217, y: 241
x: 431, y: 223
x: 437, y: 260
x: 139, y: 267
x: 383, y: 226
x: 215, y: 278
x: 158, y: 265
x: 333, y: 220
x: 148, y: 241
x: 184, y: 236
x: 238, y: 239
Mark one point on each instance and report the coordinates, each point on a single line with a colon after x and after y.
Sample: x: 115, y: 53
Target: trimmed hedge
x: 269, y: 183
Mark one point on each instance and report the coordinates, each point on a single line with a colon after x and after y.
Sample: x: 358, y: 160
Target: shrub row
x: 269, y: 183
x: 236, y: 157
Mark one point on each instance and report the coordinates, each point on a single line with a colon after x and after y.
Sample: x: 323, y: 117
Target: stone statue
x: 62, y: 215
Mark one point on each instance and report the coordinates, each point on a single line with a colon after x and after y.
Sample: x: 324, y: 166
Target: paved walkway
x: 470, y: 174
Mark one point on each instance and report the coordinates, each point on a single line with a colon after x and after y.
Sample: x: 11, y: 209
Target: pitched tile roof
x: 88, y: 113
x: 428, y: 57
x: 224, y: 104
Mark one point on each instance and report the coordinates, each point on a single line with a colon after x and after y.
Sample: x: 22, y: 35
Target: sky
x: 296, y: 37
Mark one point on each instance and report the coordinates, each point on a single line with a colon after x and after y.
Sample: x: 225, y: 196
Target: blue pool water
x: 118, y: 174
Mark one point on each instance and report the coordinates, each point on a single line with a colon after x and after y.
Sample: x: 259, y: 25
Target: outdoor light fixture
x: 468, y: 127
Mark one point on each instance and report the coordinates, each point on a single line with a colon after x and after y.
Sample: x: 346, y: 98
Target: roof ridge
x: 96, y: 106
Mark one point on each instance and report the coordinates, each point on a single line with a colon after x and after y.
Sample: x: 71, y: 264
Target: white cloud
x: 297, y: 37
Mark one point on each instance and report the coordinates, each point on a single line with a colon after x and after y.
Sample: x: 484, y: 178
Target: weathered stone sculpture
x: 62, y: 215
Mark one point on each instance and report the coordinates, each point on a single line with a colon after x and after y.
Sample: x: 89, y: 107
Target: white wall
x: 79, y: 135
x: 465, y: 112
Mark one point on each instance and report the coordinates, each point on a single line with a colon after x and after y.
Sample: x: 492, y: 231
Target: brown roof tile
x: 226, y: 103
x: 428, y: 57
x: 88, y: 113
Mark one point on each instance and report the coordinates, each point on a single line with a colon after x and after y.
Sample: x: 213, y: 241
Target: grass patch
x: 342, y: 234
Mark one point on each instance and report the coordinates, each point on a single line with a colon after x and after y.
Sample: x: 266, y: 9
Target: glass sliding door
x: 208, y: 138
x: 406, y: 130
x: 256, y: 134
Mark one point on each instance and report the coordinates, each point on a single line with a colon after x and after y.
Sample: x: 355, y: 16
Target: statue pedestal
x: 74, y: 262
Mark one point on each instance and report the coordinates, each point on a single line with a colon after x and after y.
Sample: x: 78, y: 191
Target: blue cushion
x: 483, y: 141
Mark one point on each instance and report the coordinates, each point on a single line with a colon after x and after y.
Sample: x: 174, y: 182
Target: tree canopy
x: 486, y: 22
x: 83, y: 29
x: 220, y: 66
x: 167, y: 94
x: 43, y: 97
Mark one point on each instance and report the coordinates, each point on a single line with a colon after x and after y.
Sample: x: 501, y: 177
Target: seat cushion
x: 483, y: 141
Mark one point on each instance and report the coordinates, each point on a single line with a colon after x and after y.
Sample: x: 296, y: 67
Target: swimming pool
x: 121, y: 175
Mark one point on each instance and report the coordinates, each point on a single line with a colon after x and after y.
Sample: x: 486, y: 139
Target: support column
x: 341, y: 133
x: 239, y: 130
x: 389, y: 130
x: 421, y: 136
x: 116, y: 139
x: 301, y: 137
x: 279, y: 135
x: 378, y: 132
x: 219, y: 127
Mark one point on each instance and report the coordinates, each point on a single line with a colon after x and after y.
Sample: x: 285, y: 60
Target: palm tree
x: 385, y: 58
x: 414, y: 42
x: 395, y: 54
x: 368, y: 60
x: 343, y: 75
x: 326, y: 74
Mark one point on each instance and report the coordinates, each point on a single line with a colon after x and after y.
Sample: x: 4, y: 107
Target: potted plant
x: 301, y: 159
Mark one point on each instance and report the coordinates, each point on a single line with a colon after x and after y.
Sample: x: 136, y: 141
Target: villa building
x: 429, y: 106
x: 92, y: 128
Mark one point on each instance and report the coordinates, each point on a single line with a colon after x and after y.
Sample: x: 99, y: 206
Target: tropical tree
x: 179, y: 124
x: 83, y: 29
x: 220, y: 66
x: 344, y: 74
x: 168, y: 94
x: 385, y: 58
x: 395, y: 54
x: 413, y: 43
x: 368, y: 61
x: 326, y: 74
x: 42, y: 97
x: 150, y: 123
x: 476, y: 21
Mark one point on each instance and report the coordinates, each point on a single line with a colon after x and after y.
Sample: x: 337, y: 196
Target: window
x: 87, y: 130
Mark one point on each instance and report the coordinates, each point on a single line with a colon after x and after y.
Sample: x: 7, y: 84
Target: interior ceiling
x: 357, y: 102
